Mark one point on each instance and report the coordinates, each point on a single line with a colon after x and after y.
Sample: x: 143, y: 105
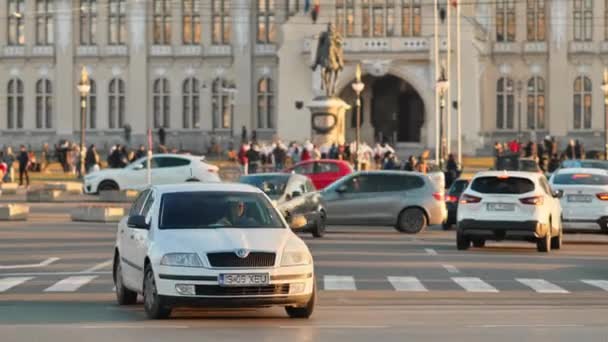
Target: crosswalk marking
x: 602, y: 284
x: 70, y: 284
x: 8, y: 283
x: 345, y: 283
x: 411, y: 284
x: 472, y: 284
x: 541, y: 285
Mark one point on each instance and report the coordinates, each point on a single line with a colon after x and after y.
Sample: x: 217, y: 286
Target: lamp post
x: 520, y: 87
x: 358, y: 87
x: 84, y: 87
x: 442, y: 86
x: 605, y: 90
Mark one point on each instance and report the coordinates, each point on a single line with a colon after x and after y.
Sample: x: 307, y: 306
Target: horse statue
x: 330, y: 57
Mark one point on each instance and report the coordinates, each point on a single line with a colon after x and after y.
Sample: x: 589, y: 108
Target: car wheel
x: 319, y: 230
x: 305, y: 311
x: 446, y: 226
x: 152, y: 302
x: 124, y: 296
x: 479, y: 243
x: 604, y: 226
x: 556, y: 241
x: 462, y: 242
x: 192, y: 180
x: 107, y: 186
x: 543, y: 244
x: 411, y: 221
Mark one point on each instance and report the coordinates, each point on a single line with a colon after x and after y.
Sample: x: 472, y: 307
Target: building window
x: 292, y: 6
x: 504, y: 104
x: 267, y: 31
x: 535, y: 25
x: 91, y: 102
x: 582, y: 103
x: 162, y: 22
x: 411, y: 18
x: 14, y: 104
x: 44, y: 22
x: 116, y: 109
x: 88, y: 22
x: 505, y: 21
x: 265, y: 104
x: 222, y: 29
x: 44, y: 104
x: 583, y: 20
x: 16, y: 22
x: 162, y: 103
x: 378, y: 18
x: 345, y: 17
x: 191, y: 22
x: 117, y: 22
x: 191, y: 104
x: 536, y: 103
x: 221, y: 104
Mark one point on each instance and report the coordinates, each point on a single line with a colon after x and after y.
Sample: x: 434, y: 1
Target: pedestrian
x: 140, y: 153
x: 44, y: 157
x: 528, y: 149
x: 316, y: 153
x: 389, y: 161
x: 91, y: 160
x: 9, y: 160
x: 242, y: 157
x: 333, y: 151
x: 280, y: 155
x: 579, y: 150
x: 422, y: 165
x: 124, y: 157
x: 452, y: 171
x: 24, y: 160
x: 570, y: 150
x: 161, y: 136
x: 254, y: 158
x: 294, y: 153
x: 410, y: 165
x: 498, y: 151
x: 553, y: 163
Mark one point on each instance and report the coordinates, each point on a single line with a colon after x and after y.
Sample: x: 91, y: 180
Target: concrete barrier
x: 43, y: 195
x: 98, y: 214
x: 124, y: 196
x: 14, y: 212
x: 73, y: 188
x: 10, y: 188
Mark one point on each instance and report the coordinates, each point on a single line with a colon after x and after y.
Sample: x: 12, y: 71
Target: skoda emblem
x: 242, y: 253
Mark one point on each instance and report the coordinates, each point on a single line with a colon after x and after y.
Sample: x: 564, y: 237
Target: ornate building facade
x: 204, y: 69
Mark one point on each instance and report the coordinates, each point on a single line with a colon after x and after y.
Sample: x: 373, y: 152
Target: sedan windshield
x: 272, y: 185
x: 200, y: 210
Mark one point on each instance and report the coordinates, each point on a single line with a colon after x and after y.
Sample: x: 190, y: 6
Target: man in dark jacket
x: 24, y: 161
x: 140, y: 153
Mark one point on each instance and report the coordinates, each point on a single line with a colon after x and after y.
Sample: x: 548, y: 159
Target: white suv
x: 504, y: 205
x: 166, y: 169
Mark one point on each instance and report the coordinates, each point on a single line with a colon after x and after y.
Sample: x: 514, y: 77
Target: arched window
x: 535, y: 25
x: 91, y: 103
x: 411, y: 21
x: 582, y: 15
x: 44, y: 104
x: 14, y: 104
x: 191, y: 103
x: 162, y: 103
x: 265, y: 103
x: 116, y: 109
x: 504, y: 104
x: 222, y: 107
x: 582, y: 103
x: 536, y: 103
x: 505, y: 21
x: 345, y: 17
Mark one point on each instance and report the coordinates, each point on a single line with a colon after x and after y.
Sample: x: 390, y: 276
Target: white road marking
x: 41, y: 264
x: 98, y: 266
x: 472, y: 284
x: 124, y: 326
x: 344, y: 283
x: 8, y: 283
x: 451, y: 268
x: 70, y: 284
x: 541, y: 285
x: 489, y: 326
x: 333, y: 326
x: 602, y: 284
x: 411, y: 284
x: 40, y: 274
x: 430, y: 251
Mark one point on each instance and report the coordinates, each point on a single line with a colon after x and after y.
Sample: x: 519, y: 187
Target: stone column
x: 137, y: 112
x: 65, y: 88
x: 367, y: 128
x: 243, y: 49
x: 557, y: 36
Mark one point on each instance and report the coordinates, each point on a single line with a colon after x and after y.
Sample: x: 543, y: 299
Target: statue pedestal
x: 328, y: 120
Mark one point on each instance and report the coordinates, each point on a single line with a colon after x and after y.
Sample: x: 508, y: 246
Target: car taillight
x: 438, y: 196
x: 602, y: 196
x: 536, y: 200
x: 451, y: 198
x: 467, y: 199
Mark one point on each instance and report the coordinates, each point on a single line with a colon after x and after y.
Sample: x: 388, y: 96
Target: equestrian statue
x: 330, y: 57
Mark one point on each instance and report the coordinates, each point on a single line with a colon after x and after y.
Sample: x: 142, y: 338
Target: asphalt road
x: 55, y: 285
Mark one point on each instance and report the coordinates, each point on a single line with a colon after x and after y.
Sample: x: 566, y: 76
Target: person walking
x: 242, y: 157
x: 91, y: 160
x: 452, y: 171
x: 9, y: 160
x: 571, y: 150
x: 579, y: 150
x: 24, y: 161
x: 254, y: 157
x: 140, y: 153
x: 410, y: 165
x: 280, y: 155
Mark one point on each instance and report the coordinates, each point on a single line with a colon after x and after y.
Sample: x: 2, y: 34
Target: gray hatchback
x: 409, y: 201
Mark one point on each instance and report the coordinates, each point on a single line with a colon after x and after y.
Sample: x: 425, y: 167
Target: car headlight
x: 181, y: 260
x: 295, y: 258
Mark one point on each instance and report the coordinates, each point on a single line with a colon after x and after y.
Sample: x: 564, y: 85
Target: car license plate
x: 501, y: 207
x: 579, y: 198
x: 243, y: 279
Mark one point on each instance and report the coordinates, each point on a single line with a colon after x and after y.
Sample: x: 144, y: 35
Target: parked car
x: 409, y: 201
x: 165, y: 169
x: 292, y: 194
x: 211, y: 245
x: 585, y: 197
x: 322, y: 172
x: 509, y: 205
x: 451, y: 200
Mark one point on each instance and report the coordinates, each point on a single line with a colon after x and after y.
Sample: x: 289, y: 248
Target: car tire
x: 107, y: 186
x: 479, y: 243
x: 192, y: 180
x: 411, y: 221
x: 557, y: 241
x: 306, y: 311
x: 319, y: 230
x: 543, y: 244
x: 462, y: 242
x: 604, y: 226
x: 446, y: 226
x: 124, y: 296
x: 153, y: 304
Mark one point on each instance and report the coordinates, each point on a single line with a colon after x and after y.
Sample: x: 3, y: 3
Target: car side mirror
x: 297, y: 222
x: 296, y: 194
x: 558, y: 193
x: 138, y: 222
x: 341, y: 189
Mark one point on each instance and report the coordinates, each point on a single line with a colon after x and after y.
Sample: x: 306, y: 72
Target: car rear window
x: 273, y: 186
x: 502, y: 185
x: 580, y: 179
x: 458, y: 187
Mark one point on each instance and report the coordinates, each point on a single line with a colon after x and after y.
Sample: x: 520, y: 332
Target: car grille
x: 214, y: 290
x: 229, y: 259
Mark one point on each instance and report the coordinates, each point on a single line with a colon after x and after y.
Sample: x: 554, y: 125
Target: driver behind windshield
x: 237, y: 215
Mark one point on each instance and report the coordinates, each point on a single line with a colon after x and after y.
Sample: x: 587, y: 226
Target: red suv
x: 322, y: 172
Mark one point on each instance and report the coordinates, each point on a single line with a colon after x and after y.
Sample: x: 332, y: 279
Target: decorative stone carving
x: 504, y: 69
x: 43, y: 71
x: 377, y: 68
x: 116, y: 70
x: 265, y: 71
x: 583, y: 68
x: 15, y: 72
x: 535, y: 69
x: 160, y: 71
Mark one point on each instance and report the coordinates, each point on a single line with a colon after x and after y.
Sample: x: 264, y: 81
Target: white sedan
x: 211, y: 245
x: 166, y: 169
x: 585, y: 197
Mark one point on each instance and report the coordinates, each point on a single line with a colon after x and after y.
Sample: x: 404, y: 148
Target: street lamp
x: 520, y: 87
x: 84, y: 87
x: 358, y: 87
x: 605, y: 90
x: 442, y: 86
